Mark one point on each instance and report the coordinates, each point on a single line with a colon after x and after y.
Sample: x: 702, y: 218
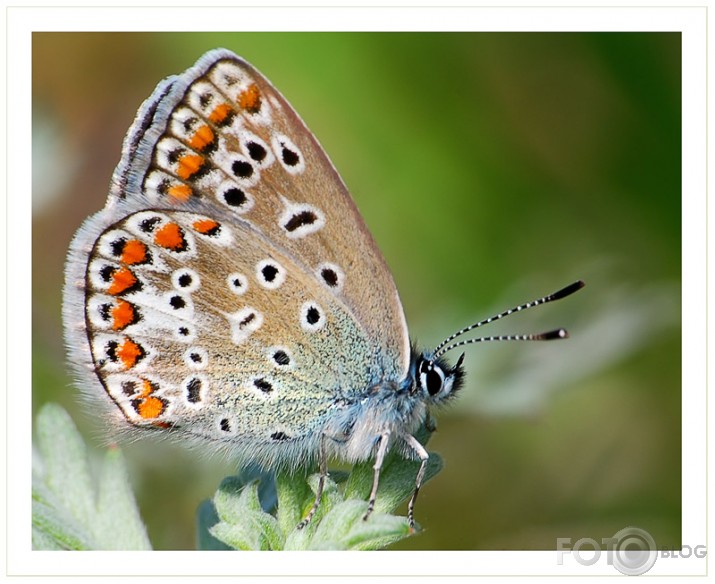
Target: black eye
x: 434, y: 380
x: 431, y: 377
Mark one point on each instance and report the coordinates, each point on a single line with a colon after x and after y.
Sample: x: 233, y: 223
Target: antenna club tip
x: 554, y: 335
x: 568, y: 290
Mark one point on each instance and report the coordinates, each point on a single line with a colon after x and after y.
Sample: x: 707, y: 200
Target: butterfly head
x: 435, y: 380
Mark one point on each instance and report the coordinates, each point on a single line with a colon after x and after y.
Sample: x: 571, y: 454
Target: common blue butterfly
x: 230, y: 293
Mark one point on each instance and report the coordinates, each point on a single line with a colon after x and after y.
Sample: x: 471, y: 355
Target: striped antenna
x: 445, y: 345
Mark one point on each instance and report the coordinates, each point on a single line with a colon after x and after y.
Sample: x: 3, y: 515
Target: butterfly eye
x: 431, y: 377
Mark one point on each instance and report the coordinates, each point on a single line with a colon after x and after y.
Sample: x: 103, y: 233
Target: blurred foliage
x: 491, y: 168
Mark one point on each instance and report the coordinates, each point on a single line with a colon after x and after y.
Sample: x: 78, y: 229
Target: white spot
x: 156, y: 182
x: 184, y: 333
x: 106, y: 241
x: 299, y: 219
x: 237, y: 283
x: 204, y: 98
x: 312, y: 317
x: 234, y: 197
x: 274, y: 101
x: 280, y: 357
x: 196, y: 358
x: 228, y: 77
x: 177, y: 304
x: 242, y: 169
x: 244, y: 323
x: 270, y: 274
x: 331, y: 276
x: 256, y: 149
x: 186, y: 280
x: 166, y: 151
x: 287, y: 153
x: 99, y: 311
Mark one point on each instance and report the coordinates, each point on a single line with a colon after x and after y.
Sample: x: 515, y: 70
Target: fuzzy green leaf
x: 69, y: 510
x: 293, y: 492
x: 243, y: 524
x: 338, y: 523
x: 344, y: 528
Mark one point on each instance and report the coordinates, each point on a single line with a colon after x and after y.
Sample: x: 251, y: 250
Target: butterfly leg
x: 379, y: 458
x: 423, y: 455
x: 321, y: 483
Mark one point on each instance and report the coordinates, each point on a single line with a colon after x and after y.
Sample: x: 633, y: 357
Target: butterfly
x: 230, y: 294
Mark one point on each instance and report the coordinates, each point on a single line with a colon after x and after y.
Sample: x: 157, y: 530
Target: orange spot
x: 147, y: 388
x: 250, y: 99
x: 181, y: 192
x: 170, y: 237
x: 220, y: 113
x: 189, y: 165
x: 205, y: 226
x: 150, y: 407
x: 122, y: 280
x: 202, y: 138
x: 134, y: 252
x: 129, y: 353
x: 123, y: 315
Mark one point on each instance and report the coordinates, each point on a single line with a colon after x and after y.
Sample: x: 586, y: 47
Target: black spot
x: 104, y: 311
x: 313, y: 315
x: 183, y: 331
x: 280, y: 436
x: 434, y: 382
x: 247, y: 320
x: 242, y: 169
x: 148, y: 225
x: 213, y: 232
x: 185, y: 280
x: 330, y: 277
x: 163, y: 187
x: 111, y: 350
x: 237, y: 283
x: 129, y: 387
x: 256, y: 151
x: 107, y: 272
x: 193, y: 390
x: 269, y: 272
x: 174, y: 155
x: 235, y: 197
x: 225, y: 425
x: 299, y: 220
x: 196, y: 357
x: 118, y: 246
x: 290, y: 157
x: 263, y: 385
x: 190, y: 123
x: 281, y: 357
x: 177, y: 302
x: 205, y: 99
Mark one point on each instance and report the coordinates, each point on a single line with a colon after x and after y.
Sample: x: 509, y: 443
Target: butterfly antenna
x: 445, y: 345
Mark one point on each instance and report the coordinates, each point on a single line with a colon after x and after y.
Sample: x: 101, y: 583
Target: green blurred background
x: 491, y: 169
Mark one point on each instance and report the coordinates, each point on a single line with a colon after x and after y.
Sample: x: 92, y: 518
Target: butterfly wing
x: 232, y: 288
